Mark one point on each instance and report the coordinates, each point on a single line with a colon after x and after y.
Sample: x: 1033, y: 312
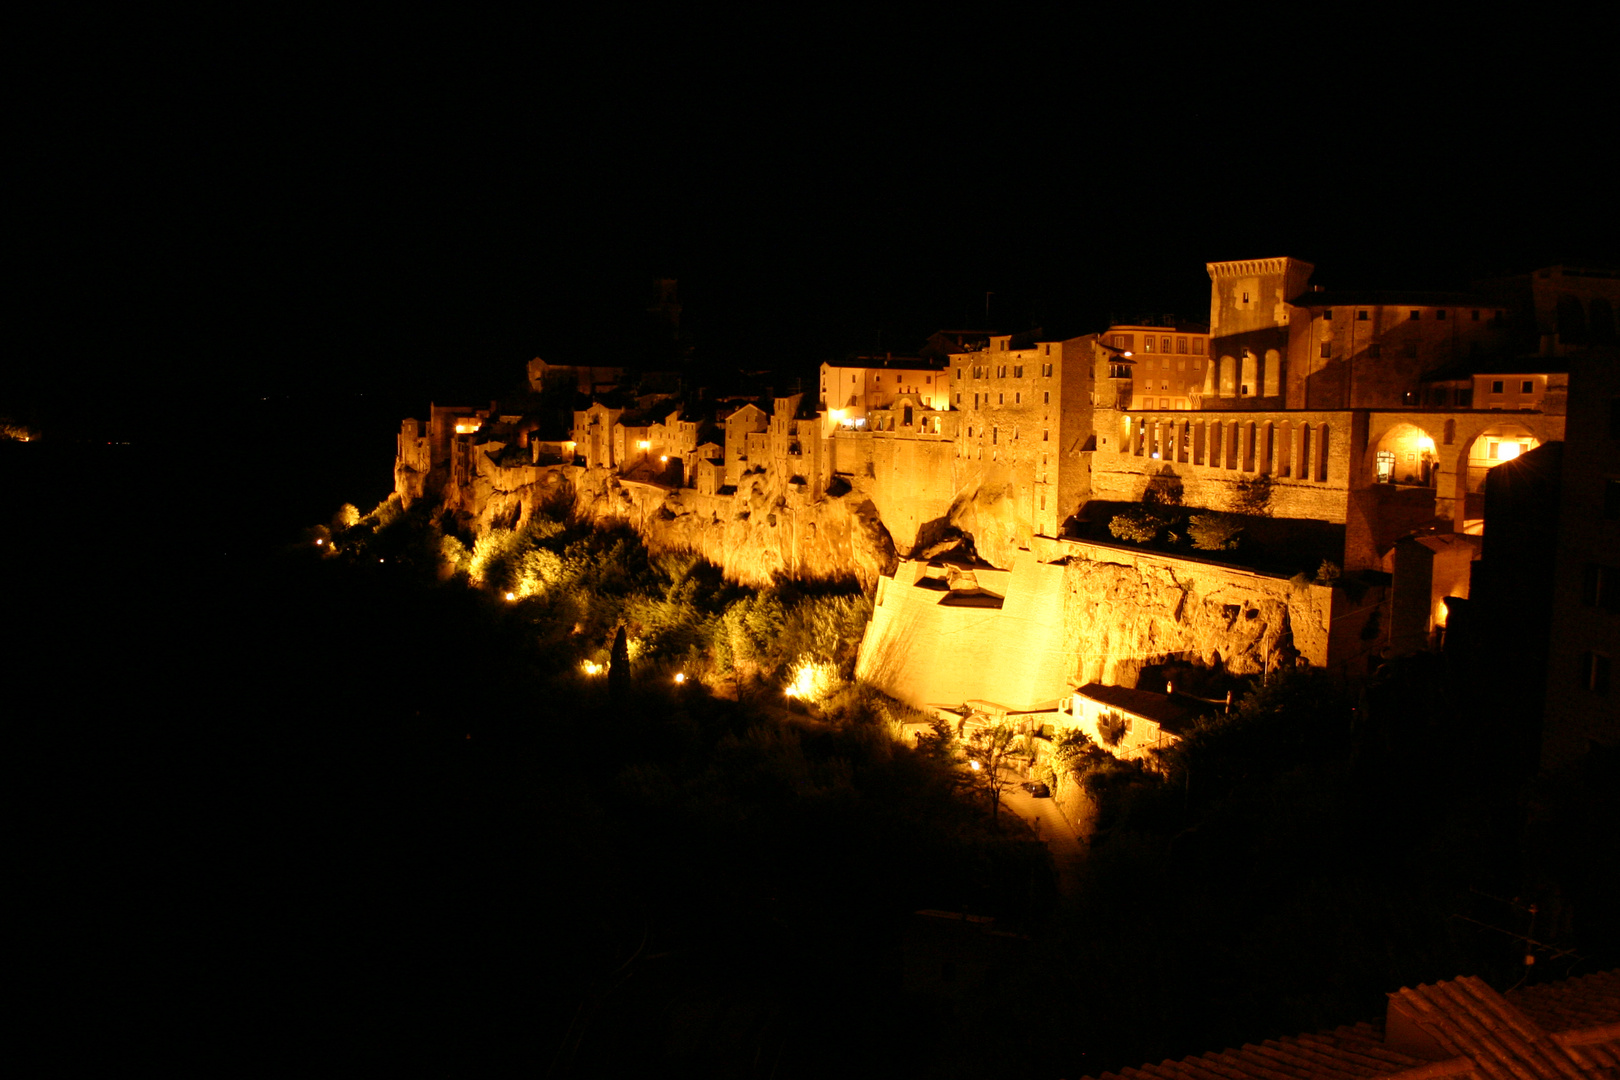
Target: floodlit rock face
x: 1123, y: 611
x: 763, y: 530
x: 1072, y: 613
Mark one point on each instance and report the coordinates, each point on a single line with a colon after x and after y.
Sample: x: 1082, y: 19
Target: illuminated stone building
x: 1025, y: 423
x: 1166, y: 366
x: 850, y: 391
x: 739, y: 426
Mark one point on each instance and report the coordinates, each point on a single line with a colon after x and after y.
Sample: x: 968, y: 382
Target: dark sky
x: 271, y: 206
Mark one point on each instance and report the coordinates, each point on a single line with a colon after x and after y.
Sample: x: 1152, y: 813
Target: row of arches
x: 1291, y: 449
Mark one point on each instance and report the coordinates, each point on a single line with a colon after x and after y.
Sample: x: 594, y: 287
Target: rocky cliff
x: 765, y: 529
x: 1123, y: 612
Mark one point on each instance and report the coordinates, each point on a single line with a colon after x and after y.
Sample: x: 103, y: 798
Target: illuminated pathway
x: 1050, y: 827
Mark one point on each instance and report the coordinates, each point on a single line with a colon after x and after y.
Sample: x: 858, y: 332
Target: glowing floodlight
x: 590, y: 667
x: 976, y: 766
x: 664, y: 458
x: 644, y: 444
x: 511, y: 596
x: 319, y: 542
x: 680, y: 677
x: 1507, y: 451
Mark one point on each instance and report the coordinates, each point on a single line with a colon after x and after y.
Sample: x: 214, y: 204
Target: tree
x: 1214, y: 532
x: 988, y: 751
x: 619, y: 667
x: 1137, y: 525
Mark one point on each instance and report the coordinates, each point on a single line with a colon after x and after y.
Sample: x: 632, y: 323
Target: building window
x: 1327, y: 349
x: 1164, y: 403
x: 958, y: 373
x: 1018, y: 399
x: 1600, y: 588
x: 1046, y: 370
x: 1046, y: 436
x: 1198, y: 346
x: 1411, y: 350
x: 1527, y: 387
x: 1046, y: 397
x: 995, y: 433
x: 1048, y: 351
x: 1328, y: 314
x: 1374, y: 351
x: 1594, y: 673
x: 1181, y: 365
x: 1245, y: 298
x: 959, y: 397
x: 1147, y: 343
x: 1496, y: 386
x: 1164, y: 344
x: 1476, y: 315
x: 1001, y: 399
x: 1018, y: 371
x: 1181, y: 344
x: 1414, y: 315
x: 1361, y: 316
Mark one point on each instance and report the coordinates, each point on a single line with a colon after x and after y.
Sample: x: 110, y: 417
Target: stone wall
x: 926, y: 652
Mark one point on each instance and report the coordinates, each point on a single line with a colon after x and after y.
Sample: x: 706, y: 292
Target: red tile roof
x: 1461, y: 1028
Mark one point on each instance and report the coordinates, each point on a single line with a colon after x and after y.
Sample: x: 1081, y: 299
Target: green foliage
x: 1214, y: 532
x: 1137, y: 525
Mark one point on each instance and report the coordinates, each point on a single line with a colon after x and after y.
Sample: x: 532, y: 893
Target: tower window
x: 1361, y: 316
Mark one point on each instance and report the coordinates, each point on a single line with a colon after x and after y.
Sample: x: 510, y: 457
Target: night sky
x: 269, y: 207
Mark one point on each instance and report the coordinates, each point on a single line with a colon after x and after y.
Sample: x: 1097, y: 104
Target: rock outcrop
x: 1122, y: 614
x: 763, y: 530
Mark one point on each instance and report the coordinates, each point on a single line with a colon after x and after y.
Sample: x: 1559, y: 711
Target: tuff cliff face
x: 1122, y: 613
x: 764, y: 530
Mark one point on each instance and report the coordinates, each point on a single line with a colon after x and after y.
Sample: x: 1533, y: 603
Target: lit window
x: 1147, y: 343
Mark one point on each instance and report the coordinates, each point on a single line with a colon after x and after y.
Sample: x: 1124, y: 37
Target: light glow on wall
x: 1507, y: 451
x: 644, y: 444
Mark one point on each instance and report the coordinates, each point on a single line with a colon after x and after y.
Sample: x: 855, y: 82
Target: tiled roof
x: 1349, y: 1053
x: 1461, y: 1028
x: 1575, y: 1003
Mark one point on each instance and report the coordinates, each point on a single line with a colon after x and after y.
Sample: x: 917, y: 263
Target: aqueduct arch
x: 1450, y: 440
